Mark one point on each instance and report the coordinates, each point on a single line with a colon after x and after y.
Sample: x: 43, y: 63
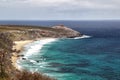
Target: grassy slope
x: 22, y: 28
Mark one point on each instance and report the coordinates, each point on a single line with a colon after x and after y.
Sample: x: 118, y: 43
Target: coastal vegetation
x: 11, y: 33
x: 7, y: 71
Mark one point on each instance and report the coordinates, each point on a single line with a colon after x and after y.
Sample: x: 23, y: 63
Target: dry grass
x: 22, y: 27
x: 25, y: 75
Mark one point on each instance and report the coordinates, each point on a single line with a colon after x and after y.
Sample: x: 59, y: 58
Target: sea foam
x: 33, y: 49
x: 36, y: 46
x: 84, y: 36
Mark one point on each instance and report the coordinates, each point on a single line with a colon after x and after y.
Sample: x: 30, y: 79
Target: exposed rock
x: 23, y: 58
x: 67, y: 32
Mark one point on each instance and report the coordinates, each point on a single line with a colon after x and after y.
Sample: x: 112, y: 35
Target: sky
x: 59, y: 9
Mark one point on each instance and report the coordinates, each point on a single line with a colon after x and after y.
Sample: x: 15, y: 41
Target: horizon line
x: 67, y: 20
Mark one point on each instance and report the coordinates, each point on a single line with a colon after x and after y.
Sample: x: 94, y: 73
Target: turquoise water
x: 77, y: 59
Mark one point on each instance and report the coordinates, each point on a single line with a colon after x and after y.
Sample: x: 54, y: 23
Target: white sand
x: 18, y: 46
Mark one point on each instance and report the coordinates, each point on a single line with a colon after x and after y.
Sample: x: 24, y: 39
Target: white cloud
x: 34, y: 2
x: 60, y: 8
x: 98, y: 4
x: 76, y: 3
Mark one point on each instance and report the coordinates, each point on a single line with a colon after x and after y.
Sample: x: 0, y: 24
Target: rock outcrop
x: 66, y: 32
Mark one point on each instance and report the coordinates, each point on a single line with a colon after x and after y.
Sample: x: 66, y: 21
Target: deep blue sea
x: 94, y: 58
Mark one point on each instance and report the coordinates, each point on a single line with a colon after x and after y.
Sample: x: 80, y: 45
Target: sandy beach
x: 18, y: 46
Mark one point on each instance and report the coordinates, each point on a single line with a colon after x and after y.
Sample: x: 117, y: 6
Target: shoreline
x: 19, y: 45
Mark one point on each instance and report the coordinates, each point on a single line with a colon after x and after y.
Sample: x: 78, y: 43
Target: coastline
x: 18, y: 46
x: 15, y: 47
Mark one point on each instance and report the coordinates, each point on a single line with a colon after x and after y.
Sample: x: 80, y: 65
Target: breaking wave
x: 84, y: 36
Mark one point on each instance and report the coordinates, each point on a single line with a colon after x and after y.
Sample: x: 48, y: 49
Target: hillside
x: 31, y: 32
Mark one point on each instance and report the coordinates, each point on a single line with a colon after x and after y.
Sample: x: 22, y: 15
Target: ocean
x: 93, y: 58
